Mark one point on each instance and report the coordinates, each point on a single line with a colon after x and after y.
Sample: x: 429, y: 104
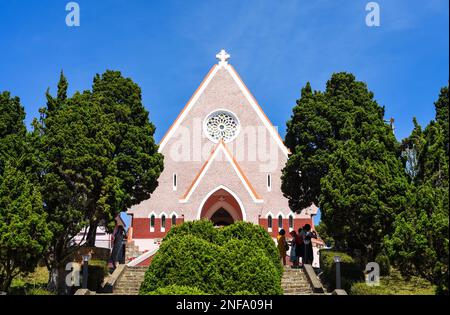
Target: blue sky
x: 277, y: 46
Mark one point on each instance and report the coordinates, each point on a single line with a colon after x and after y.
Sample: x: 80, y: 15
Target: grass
x: 32, y: 284
x: 395, y: 284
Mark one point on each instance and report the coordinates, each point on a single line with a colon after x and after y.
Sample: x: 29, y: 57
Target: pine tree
x: 346, y: 160
x: 98, y: 159
x: 419, y: 242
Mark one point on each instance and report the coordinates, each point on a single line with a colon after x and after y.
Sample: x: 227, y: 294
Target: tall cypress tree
x: 419, y: 242
x: 98, y: 159
x: 345, y: 159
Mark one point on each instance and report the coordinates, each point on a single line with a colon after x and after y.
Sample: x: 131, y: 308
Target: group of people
x: 300, y: 246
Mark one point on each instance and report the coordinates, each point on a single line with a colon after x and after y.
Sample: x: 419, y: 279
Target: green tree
x: 345, y: 158
x: 419, y: 242
x: 98, y: 158
x: 24, y: 234
x: 12, y: 128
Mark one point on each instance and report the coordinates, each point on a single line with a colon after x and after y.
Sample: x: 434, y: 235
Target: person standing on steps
x: 293, y: 253
x: 117, y: 250
x: 283, y: 246
x: 301, y: 247
x: 307, y: 239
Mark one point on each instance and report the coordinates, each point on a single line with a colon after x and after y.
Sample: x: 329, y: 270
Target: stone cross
x: 223, y: 57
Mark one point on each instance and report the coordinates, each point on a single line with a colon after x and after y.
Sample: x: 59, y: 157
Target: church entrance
x: 221, y: 208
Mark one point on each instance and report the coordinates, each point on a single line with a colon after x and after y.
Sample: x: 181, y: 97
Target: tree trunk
x: 92, y: 234
x: 57, y: 280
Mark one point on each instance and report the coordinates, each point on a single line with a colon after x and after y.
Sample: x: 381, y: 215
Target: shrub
x: 177, y: 290
x: 97, y: 271
x: 184, y: 260
x: 202, y: 229
x: 256, y: 236
x: 350, y: 271
x: 239, y: 259
x: 384, y: 263
x: 247, y: 268
x: 39, y: 291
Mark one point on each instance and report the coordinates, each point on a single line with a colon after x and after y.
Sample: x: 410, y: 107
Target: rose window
x: 221, y: 125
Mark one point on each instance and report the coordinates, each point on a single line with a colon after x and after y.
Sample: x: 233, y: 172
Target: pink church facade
x: 223, y: 161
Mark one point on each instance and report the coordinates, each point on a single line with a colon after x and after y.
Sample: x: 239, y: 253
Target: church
x: 223, y: 161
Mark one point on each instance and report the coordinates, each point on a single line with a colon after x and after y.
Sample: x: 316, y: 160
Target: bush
x: 350, y: 271
x: 384, y: 263
x: 184, y: 260
x: 238, y: 259
x: 202, y: 229
x: 256, y: 236
x: 97, y: 271
x: 177, y: 290
x: 247, y: 268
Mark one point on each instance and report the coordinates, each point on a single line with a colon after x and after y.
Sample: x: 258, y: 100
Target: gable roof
x: 223, y: 148
x: 245, y: 91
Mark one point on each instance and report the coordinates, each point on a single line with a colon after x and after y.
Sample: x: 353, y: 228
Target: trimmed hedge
x: 245, y: 231
x: 184, y: 260
x: 256, y: 236
x: 351, y: 272
x: 230, y: 260
x: 177, y: 290
x: 247, y: 268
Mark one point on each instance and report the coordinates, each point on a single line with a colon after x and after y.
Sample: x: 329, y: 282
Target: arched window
x: 291, y: 223
x: 163, y: 223
x: 280, y: 222
x: 269, y: 182
x: 152, y: 223
x: 174, y: 220
x: 269, y: 223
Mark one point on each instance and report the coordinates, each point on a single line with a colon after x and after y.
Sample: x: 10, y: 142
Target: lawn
x: 32, y: 284
x: 395, y: 284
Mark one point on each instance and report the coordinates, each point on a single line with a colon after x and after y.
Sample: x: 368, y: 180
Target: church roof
x: 223, y: 63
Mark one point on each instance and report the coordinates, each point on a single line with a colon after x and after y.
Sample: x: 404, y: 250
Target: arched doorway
x: 221, y: 208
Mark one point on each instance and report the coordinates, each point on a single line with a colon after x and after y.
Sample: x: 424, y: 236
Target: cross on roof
x: 223, y: 57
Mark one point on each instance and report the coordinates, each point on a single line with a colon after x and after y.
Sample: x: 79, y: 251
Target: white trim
x: 220, y: 146
x: 273, y: 132
x: 241, y: 205
x: 257, y: 109
x: 141, y: 258
x: 269, y: 213
x: 189, y: 106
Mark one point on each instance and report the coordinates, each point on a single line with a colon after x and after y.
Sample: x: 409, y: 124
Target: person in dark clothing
x: 308, y: 235
x: 117, y: 250
x: 300, y: 247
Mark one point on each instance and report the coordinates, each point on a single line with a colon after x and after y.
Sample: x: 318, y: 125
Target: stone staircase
x: 130, y: 281
x: 295, y: 282
x: 131, y: 251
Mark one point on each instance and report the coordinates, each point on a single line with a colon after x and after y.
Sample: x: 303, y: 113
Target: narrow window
x: 175, y: 182
x: 291, y: 223
x: 280, y: 222
x: 269, y: 182
x: 152, y: 223
x: 174, y: 220
x: 269, y: 223
x: 163, y: 223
